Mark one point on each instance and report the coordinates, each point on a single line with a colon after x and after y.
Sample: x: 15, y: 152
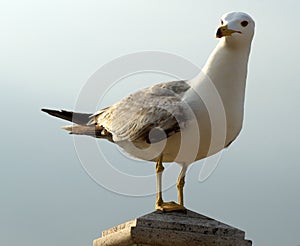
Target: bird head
x: 236, y: 26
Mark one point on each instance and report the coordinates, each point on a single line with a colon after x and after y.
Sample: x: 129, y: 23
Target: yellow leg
x: 180, y: 185
x: 159, y: 170
x: 160, y: 204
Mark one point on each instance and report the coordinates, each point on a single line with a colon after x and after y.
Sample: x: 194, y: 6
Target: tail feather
x: 82, y: 126
x: 89, y: 130
x: 78, y: 118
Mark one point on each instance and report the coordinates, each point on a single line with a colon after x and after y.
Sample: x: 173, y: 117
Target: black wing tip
x: 45, y: 110
x: 50, y: 111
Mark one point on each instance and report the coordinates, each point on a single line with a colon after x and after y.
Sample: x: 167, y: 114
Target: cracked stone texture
x: 172, y: 229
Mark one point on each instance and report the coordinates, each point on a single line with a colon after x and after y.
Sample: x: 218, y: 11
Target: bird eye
x: 222, y: 22
x: 244, y: 23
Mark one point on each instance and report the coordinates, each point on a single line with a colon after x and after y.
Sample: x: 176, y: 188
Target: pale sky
x: 49, y: 49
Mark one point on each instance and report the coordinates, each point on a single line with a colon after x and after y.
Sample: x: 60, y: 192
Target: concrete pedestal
x: 172, y: 229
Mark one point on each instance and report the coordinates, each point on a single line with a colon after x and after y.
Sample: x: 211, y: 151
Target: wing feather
x: 136, y: 115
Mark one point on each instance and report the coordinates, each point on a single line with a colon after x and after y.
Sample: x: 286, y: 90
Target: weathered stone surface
x: 172, y: 229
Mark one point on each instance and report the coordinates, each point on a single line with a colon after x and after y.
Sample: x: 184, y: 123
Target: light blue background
x: 50, y: 48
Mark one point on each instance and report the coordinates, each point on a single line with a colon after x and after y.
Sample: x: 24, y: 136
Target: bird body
x: 181, y: 121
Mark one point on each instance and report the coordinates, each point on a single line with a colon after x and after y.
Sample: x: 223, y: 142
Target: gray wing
x: 159, y: 106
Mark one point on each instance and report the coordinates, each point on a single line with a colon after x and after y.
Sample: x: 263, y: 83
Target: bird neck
x: 224, y: 77
x: 227, y: 67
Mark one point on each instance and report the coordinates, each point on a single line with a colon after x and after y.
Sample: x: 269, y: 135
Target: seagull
x: 180, y: 121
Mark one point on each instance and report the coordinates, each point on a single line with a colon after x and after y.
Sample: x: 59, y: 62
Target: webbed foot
x: 170, y: 207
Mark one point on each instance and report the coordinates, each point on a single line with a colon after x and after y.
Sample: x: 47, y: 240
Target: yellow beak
x: 224, y: 31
